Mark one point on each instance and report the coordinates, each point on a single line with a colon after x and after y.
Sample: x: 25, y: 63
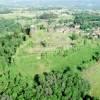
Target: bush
x: 73, y: 36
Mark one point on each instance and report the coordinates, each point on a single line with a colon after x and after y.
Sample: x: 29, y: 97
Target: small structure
x: 96, y: 33
x: 32, y: 30
x: 77, y: 26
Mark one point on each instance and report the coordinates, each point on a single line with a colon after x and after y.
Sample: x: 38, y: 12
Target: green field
x: 92, y: 74
x: 38, y: 62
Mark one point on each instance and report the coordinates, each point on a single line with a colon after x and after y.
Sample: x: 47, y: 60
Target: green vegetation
x: 14, y: 86
x: 54, y: 85
x: 87, y: 21
x: 77, y: 57
x: 54, y: 62
x: 48, y: 16
x: 9, y: 26
x: 92, y: 74
x: 60, y: 86
x: 73, y: 36
x: 8, y: 46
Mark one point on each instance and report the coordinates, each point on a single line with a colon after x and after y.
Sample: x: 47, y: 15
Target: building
x: 32, y: 30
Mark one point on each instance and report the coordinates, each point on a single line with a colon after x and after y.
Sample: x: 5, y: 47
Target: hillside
x: 50, y: 53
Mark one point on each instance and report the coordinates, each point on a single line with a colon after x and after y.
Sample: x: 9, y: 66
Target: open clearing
x: 33, y: 63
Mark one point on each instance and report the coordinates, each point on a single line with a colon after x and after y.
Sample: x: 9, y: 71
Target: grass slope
x: 31, y: 64
x: 92, y: 74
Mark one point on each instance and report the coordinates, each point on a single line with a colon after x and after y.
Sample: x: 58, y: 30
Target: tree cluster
x: 47, y: 16
x: 65, y: 85
x: 9, y: 26
x: 87, y: 21
x: 55, y: 85
x: 8, y: 46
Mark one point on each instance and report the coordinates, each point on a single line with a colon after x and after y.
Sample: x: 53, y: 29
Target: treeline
x: 55, y: 85
x: 9, y: 26
x: 87, y: 21
x: 47, y: 16
x: 11, y: 36
x: 8, y: 46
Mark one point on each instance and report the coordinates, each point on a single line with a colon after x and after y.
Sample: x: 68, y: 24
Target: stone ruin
x: 30, y: 30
